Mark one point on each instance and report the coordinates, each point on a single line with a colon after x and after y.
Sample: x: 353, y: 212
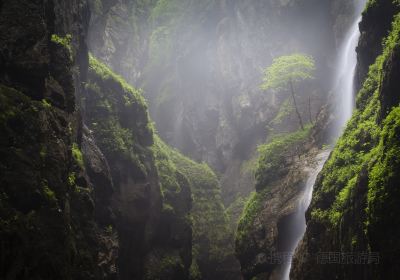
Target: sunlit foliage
x: 285, y: 69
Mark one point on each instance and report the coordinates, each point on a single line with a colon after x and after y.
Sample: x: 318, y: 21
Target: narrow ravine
x: 200, y: 140
x: 344, y: 99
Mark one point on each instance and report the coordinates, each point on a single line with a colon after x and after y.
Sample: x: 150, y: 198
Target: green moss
x: 367, y: 153
x: 383, y: 193
x: 63, y: 41
x: 358, y: 145
x: 77, y: 155
x: 166, y: 168
x: 250, y: 166
x: 131, y: 95
x: 194, y: 271
x: 212, y: 241
x: 49, y: 194
x: 46, y: 103
x: 118, y: 116
x: 165, y: 267
x: 252, y: 208
x: 273, y: 155
x: 71, y: 179
x: 43, y: 152
x: 234, y: 209
x: 35, y: 192
x: 271, y: 165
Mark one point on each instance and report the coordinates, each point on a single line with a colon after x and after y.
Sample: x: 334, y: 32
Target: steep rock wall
x: 264, y: 235
x: 77, y: 200
x: 353, y: 211
x: 48, y: 227
x: 200, y: 62
x: 151, y: 218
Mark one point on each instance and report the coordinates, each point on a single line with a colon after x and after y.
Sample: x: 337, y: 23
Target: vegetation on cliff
x: 285, y: 72
x: 212, y: 241
x: 273, y: 164
x: 192, y: 213
x: 358, y: 179
x: 117, y: 114
x: 89, y: 190
x: 362, y: 144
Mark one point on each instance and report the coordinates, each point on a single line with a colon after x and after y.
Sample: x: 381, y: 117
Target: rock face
x: 116, y: 42
x: 80, y: 193
x: 264, y: 232
x: 201, y: 70
x: 87, y: 189
x: 151, y: 219
x: 211, y: 239
x: 118, y: 35
x: 376, y: 24
x: 47, y: 224
x: 353, y: 211
x: 199, y: 64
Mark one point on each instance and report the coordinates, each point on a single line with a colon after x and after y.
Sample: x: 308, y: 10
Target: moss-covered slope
x: 355, y: 204
x: 152, y: 200
x: 157, y: 222
x: 212, y: 241
x: 264, y: 229
x: 47, y: 224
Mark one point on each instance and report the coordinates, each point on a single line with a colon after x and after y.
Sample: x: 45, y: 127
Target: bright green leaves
x: 291, y: 68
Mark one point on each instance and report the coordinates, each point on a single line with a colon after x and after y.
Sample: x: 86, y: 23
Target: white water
x: 346, y: 67
x: 299, y: 224
x: 344, y: 99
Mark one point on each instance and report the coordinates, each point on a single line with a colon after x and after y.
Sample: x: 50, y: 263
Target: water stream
x: 344, y: 99
x: 299, y: 224
x: 346, y: 67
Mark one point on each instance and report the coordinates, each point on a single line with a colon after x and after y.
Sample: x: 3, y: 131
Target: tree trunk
x: 309, y: 110
x: 295, y: 106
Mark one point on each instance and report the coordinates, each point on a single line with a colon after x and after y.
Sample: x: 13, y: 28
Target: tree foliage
x: 285, y: 69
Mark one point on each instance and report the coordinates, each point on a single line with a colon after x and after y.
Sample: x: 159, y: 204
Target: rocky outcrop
x: 118, y: 35
x: 200, y: 64
x: 160, y: 203
x: 47, y: 222
x: 153, y: 242
x: 211, y: 240
x: 352, y: 224
x: 264, y: 237
x: 80, y: 194
x: 376, y: 24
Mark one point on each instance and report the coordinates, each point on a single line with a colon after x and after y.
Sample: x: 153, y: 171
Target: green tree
x: 285, y: 72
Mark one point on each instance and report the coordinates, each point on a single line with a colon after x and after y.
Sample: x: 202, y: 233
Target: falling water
x: 344, y: 91
x: 299, y: 221
x: 346, y: 67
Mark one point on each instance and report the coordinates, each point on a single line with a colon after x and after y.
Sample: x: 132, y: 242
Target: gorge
x: 138, y: 139
x: 344, y: 101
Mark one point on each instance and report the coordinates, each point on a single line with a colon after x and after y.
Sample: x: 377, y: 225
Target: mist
x: 199, y: 139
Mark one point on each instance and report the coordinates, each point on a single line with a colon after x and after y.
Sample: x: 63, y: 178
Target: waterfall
x: 344, y: 80
x: 299, y: 220
x: 344, y: 103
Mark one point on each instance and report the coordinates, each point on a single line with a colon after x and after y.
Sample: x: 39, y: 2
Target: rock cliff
x: 353, y: 214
